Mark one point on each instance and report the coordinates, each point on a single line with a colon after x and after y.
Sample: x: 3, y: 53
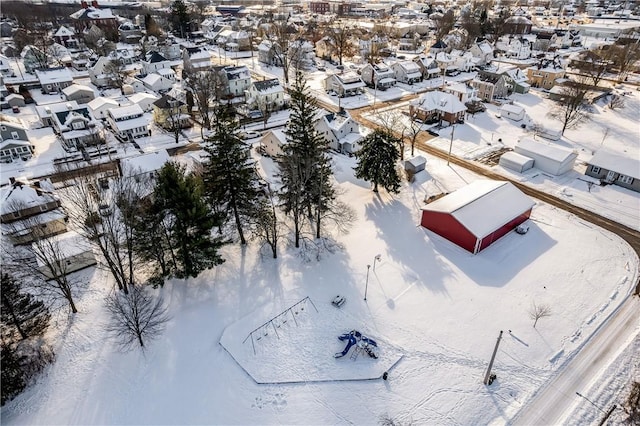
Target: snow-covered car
x: 522, y: 229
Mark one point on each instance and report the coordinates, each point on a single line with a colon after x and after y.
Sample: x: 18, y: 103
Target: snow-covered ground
x: 437, y: 305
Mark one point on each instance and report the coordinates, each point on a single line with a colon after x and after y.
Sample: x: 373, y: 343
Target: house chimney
x: 84, y: 4
x: 12, y: 180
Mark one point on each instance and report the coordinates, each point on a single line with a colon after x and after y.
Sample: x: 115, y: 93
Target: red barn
x: 478, y: 214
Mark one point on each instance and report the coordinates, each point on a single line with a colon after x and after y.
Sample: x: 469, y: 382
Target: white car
x: 250, y: 134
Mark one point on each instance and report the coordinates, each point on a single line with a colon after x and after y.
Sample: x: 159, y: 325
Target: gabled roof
x: 54, y: 75
x: 20, y: 195
x: 145, y: 163
x: 625, y: 165
x: 64, y: 32
x: 69, y: 90
x: 483, y: 206
x: 551, y: 152
x: 92, y: 13
x: 154, y: 57
x: 440, y: 101
x: 100, y: 101
x: 125, y: 111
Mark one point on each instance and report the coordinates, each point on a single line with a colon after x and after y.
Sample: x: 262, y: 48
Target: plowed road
x: 553, y: 401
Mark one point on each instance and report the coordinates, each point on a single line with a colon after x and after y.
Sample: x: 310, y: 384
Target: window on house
x: 626, y: 179
x: 595, y: 169
x: 14, y: 135
x: 78, y: 125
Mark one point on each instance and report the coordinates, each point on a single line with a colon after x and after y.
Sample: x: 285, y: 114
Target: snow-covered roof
x: 64, y: 32
x: 56, y: 75
x: 93, y: 13
x: 133, y: 123
x: 440, y: 101
x: 551, y: 152
x: 409, y: 66
x: 68, y: 244
x: 268, y: 86
x: 100, y: 101
x: 125, y: 111
x: 625, y: 165
x: 515, y: 109
x: 145, y: 163
x: 21, y: 195
x: 74, y: 88
x: 484, y: 205
x: 136, y: 98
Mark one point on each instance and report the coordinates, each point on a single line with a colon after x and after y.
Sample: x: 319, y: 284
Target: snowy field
x: 437, y: 305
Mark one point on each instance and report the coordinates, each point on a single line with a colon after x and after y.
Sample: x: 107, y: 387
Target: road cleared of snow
x: 553, y: 402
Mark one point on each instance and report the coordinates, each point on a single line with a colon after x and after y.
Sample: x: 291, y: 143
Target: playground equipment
x: 362, y: 344
x: 278, y: 321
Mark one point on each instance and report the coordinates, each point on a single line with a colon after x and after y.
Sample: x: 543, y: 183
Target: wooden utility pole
x: 495, y: 350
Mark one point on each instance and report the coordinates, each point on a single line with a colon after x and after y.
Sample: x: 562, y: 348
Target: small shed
x: 74, y: 252
x: 512, y: 112
x: 548, y: 158
x: 516, y: 162
x: 477, y: 215
x: 415, y: 164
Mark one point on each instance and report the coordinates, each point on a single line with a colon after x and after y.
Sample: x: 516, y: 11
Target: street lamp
x: 366, y: 285
x: 376, y: 259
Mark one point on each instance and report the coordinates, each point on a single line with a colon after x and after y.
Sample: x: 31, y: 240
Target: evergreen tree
x: 20, y: 311
x: 180, y: 18
x: 377, y: 159
x: 231, y: 182
x: 180, y: 198
x: 305, y: 170
x: 13, y: 379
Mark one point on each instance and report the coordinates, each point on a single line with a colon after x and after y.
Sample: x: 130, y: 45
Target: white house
x: 379, y: 76
x: 548, y: 158
x: 464, y: 93
x: 154, y: 62
x: 196, y: 58
x: 428, y: 66
x: 128, y: 122
x: 157, y: 83
x: 266, y: 95
x: 342, y: 133
x: 437, y: 106
x: 98, y: 73
x: 272, y: 141
x: 100, y: 106
x: 238, y: 80
x: 144, y: 100
x: 79, y: 93
x: 483, y: 51
x: 406, y: 72
x: 347, y: 84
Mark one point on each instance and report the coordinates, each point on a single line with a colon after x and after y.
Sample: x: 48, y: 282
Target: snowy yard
x: 438, y: 306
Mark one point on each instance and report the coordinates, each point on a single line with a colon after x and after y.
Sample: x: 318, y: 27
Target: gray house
x: 615, y: 169
x: 14, y: 142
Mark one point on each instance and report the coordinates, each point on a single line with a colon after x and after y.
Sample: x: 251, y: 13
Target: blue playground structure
x: 361, y: 342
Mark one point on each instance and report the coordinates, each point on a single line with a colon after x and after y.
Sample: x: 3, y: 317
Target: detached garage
x: 478, y: 214
x: 548, y: 158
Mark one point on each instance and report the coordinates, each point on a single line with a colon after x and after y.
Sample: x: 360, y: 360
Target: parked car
x: 250, y: 134
x: 15, y: 109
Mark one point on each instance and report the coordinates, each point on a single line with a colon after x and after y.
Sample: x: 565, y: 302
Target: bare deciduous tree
x: 340, y: 36
x: 206, y: 87
x: 136, y: 317
x: 572, y: 108
x: 538, y: 311
x: 116, y: 72
x: 42, y: 262
x: 615, y: 102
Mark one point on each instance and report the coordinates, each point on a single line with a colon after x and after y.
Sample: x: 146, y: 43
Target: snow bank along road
x: 553, y: 401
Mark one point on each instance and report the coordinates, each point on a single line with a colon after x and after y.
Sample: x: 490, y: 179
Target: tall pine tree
x: 20, y: 311
x: 305, y: 170
x: 231, y: 182
x: 180, y: 198
x: 377, y: 160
